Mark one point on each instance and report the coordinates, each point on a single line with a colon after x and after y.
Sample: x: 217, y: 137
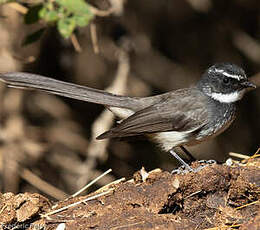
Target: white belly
x: 171, y: 139
x: 168, y: 140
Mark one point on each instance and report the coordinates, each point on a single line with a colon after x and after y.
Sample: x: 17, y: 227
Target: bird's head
x: 224, y: 82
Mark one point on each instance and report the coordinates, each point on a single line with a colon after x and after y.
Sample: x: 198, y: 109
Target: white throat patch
x: 228, y: 98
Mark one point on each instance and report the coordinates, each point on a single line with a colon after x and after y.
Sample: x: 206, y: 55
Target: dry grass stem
x: 106, y: 187
x: 224, y: 227
x: 256, y: 154
x: 127, y: 225
x: 238, y: 155
x: 74, y: 204
x: 91, y: 183
x: 246, y: 205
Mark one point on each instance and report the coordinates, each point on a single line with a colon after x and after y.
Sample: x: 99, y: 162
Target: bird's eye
x: 226, y: 80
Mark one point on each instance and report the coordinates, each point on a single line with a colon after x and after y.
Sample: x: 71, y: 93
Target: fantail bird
x: 174, y: 119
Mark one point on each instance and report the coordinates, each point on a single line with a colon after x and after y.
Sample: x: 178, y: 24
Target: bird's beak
x: 248, y: 84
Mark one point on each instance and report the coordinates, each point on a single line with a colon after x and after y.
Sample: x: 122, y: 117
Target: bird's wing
x: 177, y: 111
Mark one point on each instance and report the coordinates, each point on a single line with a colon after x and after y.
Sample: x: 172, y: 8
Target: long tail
x: 65, y: 89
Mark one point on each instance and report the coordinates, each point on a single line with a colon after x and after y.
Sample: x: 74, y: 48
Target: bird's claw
x: 184, y: 170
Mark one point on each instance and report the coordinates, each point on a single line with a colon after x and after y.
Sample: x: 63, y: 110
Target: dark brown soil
x: 213, y: 198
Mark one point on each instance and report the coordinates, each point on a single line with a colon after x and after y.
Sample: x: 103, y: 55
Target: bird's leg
x: 186, y: 167
x: 209, y: 162
x: 187, y: 153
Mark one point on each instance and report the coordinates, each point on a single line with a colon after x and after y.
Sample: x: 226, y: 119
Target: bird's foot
x: 184, y: 169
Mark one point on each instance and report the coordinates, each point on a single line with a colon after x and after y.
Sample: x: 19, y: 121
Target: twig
x: 75, y: 43
x: 101, y: 13
x: 18, y: 7
x: 93, y: 34
x: 42, y: 185
x: 117, y: 6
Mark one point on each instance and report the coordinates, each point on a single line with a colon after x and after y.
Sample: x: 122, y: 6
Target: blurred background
x: 142, y: 47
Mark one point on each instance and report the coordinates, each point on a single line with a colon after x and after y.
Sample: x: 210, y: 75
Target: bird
x: 178, y: 118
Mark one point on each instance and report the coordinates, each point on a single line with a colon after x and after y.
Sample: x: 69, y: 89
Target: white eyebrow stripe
x: 238, y: 77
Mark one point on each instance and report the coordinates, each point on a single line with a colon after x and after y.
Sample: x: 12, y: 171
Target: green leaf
x: 75, y: 6
x: 48, y: 15
x: 32, y: 15
x: 82, y: 20
x: 66, y: 26
x: 43, y: 12
x: 67, y: 14
x: 33, y: 37
x: 51, y: 16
